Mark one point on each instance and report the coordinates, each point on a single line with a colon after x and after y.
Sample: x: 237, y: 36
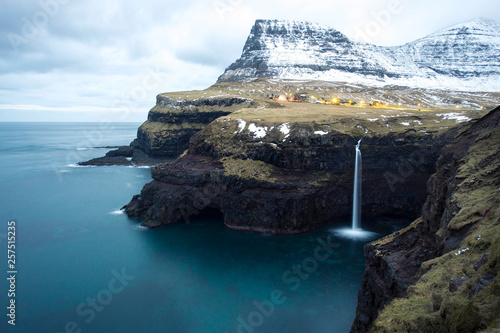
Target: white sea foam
x: 350, y: 233
x: 73, y: 165
x: 118, y: 212
x: 140, y: 166
x: 141, y: 228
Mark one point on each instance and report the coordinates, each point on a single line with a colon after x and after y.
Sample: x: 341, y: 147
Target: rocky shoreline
x: 126, y: 155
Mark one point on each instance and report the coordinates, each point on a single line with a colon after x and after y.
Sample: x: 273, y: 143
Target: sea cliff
x: 288, y: 177
x: 270, y: 167
x: 441, y: 273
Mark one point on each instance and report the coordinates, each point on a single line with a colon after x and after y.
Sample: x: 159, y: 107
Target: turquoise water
x: 84, y: 267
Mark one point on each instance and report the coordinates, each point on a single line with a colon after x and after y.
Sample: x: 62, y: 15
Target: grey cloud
x: 67, y: 60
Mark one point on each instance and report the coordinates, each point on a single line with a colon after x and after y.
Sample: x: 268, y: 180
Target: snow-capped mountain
x: 465, y: 57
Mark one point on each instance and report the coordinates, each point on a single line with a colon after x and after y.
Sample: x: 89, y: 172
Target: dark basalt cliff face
x: 171, y: 123
x: 287, y: 184
x: 412, y: 282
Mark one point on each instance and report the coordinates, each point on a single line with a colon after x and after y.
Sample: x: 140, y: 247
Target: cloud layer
x: 108, y: 54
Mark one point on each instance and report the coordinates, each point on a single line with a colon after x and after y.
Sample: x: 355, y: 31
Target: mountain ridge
x: 461, y: 58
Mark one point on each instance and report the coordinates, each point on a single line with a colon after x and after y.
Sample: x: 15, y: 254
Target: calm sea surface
x: 83, y: 266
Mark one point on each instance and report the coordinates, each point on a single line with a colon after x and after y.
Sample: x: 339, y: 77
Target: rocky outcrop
x: 289, y: 181
x: 430, y: 276
x: 126, y: 155
x: 196, y: 184
x: 170, y: 125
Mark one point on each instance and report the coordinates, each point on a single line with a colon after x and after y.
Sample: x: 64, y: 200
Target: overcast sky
x: 69, y: 60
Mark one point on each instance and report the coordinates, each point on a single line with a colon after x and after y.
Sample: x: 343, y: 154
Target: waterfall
x: 356, y: 202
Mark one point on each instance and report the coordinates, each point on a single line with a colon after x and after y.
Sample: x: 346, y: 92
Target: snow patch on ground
x: 285, y: 129
x: 454, y: 116
x: 258, y: 131
x: 320, y: 133
x: 241, y: 125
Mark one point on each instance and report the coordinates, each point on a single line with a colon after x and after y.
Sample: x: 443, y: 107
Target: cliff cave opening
x: 211, y: 213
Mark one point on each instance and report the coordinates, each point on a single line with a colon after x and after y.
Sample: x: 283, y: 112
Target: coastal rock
x: 170, y: 126
x: 171, y: 123
x: 484, y: 281
x: 287, y: 183
x: 126, y: 155
x: 484, y: 259
x: 456, y: 283
x: 462, y: 198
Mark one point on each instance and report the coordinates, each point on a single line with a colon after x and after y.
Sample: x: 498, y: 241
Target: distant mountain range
x: 465, y: 57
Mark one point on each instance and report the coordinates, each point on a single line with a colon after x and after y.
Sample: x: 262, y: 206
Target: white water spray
x: 356, y: 202
x: 355, y: 232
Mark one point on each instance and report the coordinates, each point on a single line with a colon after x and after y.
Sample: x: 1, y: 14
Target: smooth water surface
x: 83, y: 266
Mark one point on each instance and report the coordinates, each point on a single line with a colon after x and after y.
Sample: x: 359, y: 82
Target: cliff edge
x: 441, y: 273
x: 288, y: 168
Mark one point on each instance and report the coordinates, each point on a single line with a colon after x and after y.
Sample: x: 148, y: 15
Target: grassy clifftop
x: 399, y: 109
x: 407, y: 98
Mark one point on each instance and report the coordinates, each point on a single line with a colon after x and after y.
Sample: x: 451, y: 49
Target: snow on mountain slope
x: 465, y: 57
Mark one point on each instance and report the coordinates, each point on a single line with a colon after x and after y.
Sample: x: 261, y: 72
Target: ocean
x: 83, y: 266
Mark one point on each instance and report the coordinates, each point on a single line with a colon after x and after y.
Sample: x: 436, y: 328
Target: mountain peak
x: 270, y: 34
x: 275, y: 23
x: 482, y: 22
x: 478, y: 26
x: 463, y: 57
